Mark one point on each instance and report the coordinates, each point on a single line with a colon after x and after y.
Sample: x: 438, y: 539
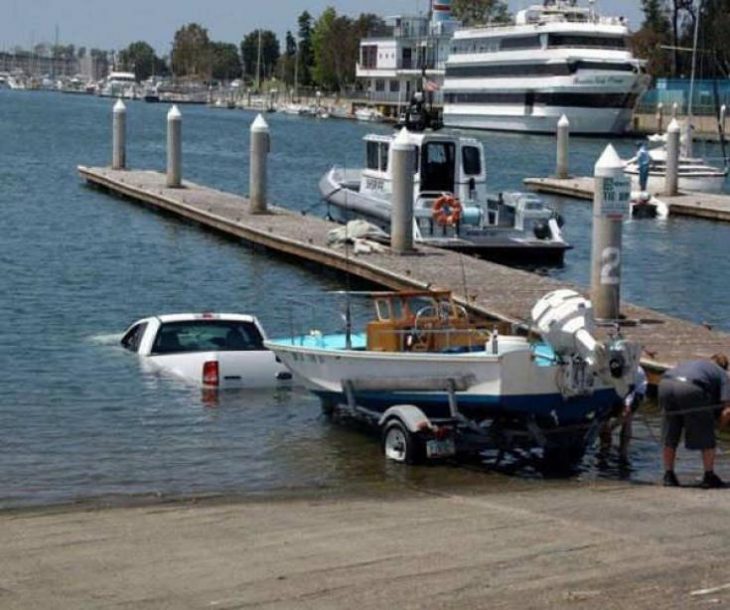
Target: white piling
x: 119, y: 135
x: 174, y: 148
x: 675, y: 107
x: 610, y: 207
x: 260, y: 146
x: 660, y: 117
x: 561, y: 169
x: 671, y: 181
x: 723, y: 112
x: 402, y: 163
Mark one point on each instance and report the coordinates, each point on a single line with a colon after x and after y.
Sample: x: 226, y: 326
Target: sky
x: 108, y: 24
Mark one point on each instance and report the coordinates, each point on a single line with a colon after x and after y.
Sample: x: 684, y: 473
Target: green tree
x: 269, y: 54
x: 335, y: 42
x: 714, y: 26
x: 306, y: 54
x: 652, y: 40
x: 226, y: 63
x: 140, y: 58
x: 191, y: 52
x: 286, y: 68
x: 478, y: 12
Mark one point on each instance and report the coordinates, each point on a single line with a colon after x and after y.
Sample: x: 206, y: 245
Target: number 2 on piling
x: 610, y: 265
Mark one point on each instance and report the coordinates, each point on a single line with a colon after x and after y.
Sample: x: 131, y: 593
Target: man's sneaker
x: 670, y: 479
x: 711, y: 481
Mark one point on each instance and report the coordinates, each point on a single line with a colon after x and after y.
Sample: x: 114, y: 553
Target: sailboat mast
x: 688, y: 145
x: 258, y: 65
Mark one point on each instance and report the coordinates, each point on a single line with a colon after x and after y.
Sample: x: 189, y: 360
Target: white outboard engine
x: 565, y: 321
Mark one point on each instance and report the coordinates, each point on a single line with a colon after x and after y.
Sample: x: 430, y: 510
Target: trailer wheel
x: 563, y: 458
x: 400, y: 444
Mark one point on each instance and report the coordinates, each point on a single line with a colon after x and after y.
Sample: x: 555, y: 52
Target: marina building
x: 412, y: 55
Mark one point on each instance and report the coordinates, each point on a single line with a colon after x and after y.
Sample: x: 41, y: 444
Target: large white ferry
x: 557, y: 58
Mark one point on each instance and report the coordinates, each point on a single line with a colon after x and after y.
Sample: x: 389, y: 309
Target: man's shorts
x: 681, y: 403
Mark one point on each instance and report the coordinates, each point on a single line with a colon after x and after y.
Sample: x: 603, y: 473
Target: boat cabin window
x: 377, y: 156
x: 556, y: 41
x: 437, y: 166
x: 471, y: 160
x: 207, y: 335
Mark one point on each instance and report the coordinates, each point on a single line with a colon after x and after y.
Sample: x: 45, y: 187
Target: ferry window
x: 591, y: 42
x: 471, y: 160
x: 520, y: 42
x: 394, y: 86
x: 372, y: 155
x: 380, y: 85
x: 383, y: 157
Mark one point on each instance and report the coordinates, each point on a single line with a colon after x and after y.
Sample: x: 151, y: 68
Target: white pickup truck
x: 209, y: 349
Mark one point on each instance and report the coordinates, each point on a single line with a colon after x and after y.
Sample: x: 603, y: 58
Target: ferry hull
x: 584, y: 121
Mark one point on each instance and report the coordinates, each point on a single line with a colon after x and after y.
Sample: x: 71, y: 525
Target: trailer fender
x: 413, y: 418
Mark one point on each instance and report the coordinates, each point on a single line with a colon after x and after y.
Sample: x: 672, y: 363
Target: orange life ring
x: 446, y: 210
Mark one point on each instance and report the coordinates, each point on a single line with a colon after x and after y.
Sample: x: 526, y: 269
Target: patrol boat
x: 451, y: 206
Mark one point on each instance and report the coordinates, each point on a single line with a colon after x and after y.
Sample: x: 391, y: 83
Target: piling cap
x: 174, y: 113
x: 563, y: 122
x: 259, y: 125
x: 119, y: 106
x: 609, y: 164
x: 673, y: 126
x: 402, y: 141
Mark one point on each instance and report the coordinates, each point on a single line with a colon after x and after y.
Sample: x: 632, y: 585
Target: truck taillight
x: 210, y: 373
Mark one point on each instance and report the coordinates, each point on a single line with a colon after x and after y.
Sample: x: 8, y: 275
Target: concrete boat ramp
x: 491, y: 290
x: 518, y: 544
x: 697, y: 205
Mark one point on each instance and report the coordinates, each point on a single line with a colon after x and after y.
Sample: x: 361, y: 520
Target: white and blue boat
x: 422, y: 350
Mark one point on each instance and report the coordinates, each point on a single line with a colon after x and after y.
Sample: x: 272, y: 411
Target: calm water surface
x: 79, y: 418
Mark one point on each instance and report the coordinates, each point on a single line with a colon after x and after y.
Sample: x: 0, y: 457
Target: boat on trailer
x: 425, y: 373
x: 449, y: 171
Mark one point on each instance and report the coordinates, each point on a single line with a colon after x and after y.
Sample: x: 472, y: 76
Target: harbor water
x: 80, y: 419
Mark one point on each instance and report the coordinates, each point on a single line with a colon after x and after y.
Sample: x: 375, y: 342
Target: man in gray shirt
x: 692, y: 395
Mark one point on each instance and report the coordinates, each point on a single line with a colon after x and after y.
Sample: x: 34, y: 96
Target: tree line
x: 666, y: 38
x: 321, y: 52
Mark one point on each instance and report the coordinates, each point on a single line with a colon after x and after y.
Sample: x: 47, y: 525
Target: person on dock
x: 643, y: 160
x: 623, y: 415
x: 692, y: 396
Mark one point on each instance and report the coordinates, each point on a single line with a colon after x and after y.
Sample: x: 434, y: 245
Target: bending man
x: 691, y: 396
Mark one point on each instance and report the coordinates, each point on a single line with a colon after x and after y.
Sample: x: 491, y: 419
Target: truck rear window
x: 207, y: 335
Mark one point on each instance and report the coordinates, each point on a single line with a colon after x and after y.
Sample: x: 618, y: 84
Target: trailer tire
x: 400, y: 444
x: 564, y: 458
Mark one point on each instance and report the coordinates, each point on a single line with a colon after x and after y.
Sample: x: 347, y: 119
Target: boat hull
x: 514, y: 385
x: 583, y: 121
x: 709, y: 183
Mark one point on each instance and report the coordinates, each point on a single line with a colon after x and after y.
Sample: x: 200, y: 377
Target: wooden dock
x: 698, y: 205
x: 488, y: 289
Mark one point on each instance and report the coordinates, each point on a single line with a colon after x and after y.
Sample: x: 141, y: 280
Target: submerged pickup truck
x: 210, y: 349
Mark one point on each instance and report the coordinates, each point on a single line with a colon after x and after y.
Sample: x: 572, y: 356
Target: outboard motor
x: 565, y: 321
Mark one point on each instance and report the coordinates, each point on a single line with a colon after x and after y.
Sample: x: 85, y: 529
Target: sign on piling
x: 611, y: 205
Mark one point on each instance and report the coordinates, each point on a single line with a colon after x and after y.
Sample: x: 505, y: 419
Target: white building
x: 392, y: 68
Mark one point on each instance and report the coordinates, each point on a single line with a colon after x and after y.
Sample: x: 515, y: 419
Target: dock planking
x: 698, y: 205
x: 488, y: 289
